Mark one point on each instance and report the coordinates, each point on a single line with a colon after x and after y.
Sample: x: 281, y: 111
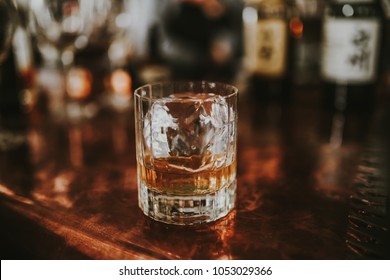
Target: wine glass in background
x: 108, y: 42
x: 120, y: 38
x: 60, y: 28
x: 123, y: 35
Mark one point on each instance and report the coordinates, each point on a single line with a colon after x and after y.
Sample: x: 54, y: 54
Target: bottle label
x: 271, y: 47
x: 350, y: 50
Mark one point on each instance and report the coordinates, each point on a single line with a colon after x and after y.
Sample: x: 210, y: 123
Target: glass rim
x: 138, y: 91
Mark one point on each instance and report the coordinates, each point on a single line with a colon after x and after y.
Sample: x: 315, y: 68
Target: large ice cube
x: 186, y: 125
x: 157, y: 133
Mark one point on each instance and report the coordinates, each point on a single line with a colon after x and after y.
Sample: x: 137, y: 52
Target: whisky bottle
x: 201, y: 40
x: 266, y: 40
x: 10, y: 87
x: 350, y: 54
x: 305, y: 28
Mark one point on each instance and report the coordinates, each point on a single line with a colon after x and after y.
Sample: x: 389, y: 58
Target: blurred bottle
x: 350, y: 53
x: 305, y: 30
x: 10, y: 87
x: 25, y: 62
x: 201, y: 39
x: 17, y: 75
x: 266, y: 45
x: 153, y: 68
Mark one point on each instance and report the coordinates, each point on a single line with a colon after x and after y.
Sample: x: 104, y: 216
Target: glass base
x: 186, y: 210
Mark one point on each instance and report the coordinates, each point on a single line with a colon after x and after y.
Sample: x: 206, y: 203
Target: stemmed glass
x: 111, y: 34
x: 60, y: 28
x: 127, y: 35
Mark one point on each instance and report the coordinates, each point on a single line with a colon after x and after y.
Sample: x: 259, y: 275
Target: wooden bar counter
x: 311, y: 185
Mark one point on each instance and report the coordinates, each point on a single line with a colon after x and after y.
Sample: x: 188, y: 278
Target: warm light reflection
x: 10, y: 193
x: 6, y: 191
x: 332, y: 176
x: 121, y: 82
x: 211, y: 241
x: 221, y: 50
x: 76, y: 147
x: 28, y: 96
x: 37, y: 145
x: 296, y: 27
x: 119, y: 85
x: 78, y: 83
x: 61, y: 184
x: 211, y: 8
x: 328, y: 174
x: 225, y: 230
x: 57, y: 192
x: 264, y: 164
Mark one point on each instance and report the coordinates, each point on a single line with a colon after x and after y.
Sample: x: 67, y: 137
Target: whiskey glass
x: 186, y: 150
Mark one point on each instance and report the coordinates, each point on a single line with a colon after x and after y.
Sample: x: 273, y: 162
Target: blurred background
x: 71, y: 59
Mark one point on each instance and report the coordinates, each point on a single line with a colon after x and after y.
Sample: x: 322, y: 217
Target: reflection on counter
x: 219, y: 236
x: 369, y: 217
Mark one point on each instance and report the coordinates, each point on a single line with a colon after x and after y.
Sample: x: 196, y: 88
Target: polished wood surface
x: 69, y: 190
